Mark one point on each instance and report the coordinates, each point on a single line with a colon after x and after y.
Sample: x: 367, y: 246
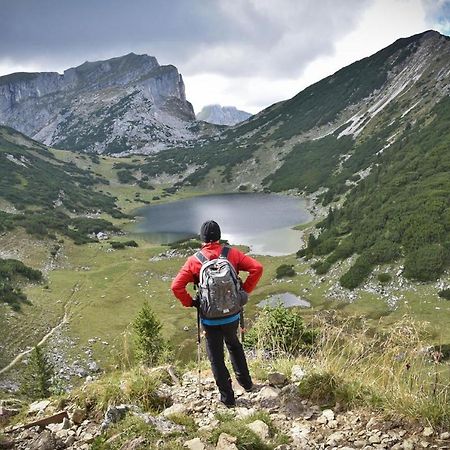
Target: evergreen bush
x: 426, y: 263
x: 285, y: 270
x: 445, y: 293
x: 384, y: 277
x: 150, y: 344
x: 37, y: 379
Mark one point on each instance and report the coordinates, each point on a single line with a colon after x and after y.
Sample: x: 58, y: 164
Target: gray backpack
x: 219, y: 288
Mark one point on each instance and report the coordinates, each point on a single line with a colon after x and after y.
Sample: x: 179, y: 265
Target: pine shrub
x: 445, y: 293
x: 38, y: 375
x: 285, y: 270
x: 150, y: 344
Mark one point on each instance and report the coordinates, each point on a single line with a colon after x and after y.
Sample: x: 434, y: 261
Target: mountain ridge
x: 129, y: 103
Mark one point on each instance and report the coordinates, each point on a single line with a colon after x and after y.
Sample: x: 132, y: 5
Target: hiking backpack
x: 220, y: 291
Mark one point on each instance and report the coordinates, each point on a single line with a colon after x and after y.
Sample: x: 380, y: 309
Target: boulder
x: 297, y: 373
x: 177, y: 408
x: 114, y: 414
x: 38, y: 406
x: 163, y: 425
x: 6, y: 414
x: 260, y: 429
x: 242, y: 412
x: 276, y: 379
x: 134, y: 444
x: 46, y: 441
x: 194, y: 444
x: 335, y: 438
x: 226, y: 442
x: 78, y: 415
x: 268, y: 395
x: 328, y: 414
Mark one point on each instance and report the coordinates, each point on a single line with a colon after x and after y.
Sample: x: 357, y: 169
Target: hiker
x: 223, y: 328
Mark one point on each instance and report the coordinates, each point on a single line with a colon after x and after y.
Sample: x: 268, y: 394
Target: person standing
x: 218, y: 331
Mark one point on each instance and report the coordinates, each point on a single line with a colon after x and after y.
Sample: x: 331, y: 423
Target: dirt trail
x: 63, y: 321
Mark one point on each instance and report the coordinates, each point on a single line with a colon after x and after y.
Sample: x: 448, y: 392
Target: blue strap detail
x: 223, y: 321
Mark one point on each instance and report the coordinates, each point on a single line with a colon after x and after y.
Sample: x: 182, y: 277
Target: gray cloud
x: 267, y: 38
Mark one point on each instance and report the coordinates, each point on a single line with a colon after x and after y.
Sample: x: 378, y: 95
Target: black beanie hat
x: 210, y: 231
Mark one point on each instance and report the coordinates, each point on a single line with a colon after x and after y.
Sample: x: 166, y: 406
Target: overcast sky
x: 246, y: 53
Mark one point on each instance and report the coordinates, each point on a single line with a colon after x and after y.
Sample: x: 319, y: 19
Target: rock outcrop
x: 125, y: 104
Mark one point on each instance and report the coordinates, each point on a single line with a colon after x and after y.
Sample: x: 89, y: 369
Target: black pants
x: 215, y: 337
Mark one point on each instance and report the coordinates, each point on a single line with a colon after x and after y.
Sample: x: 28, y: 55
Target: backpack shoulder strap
x: 225, y: 251
x: 201, y: 257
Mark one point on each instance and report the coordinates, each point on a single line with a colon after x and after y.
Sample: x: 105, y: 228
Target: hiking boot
x: 251, y: 388
x: 228, y: 405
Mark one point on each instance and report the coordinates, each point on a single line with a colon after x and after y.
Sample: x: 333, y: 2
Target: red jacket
x: 190, y: 271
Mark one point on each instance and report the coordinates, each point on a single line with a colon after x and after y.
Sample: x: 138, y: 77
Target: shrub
x: 343, y: 251
x: 142, y: 184
x: 186, y: 244
x: 117, y: 245
x: 326, y: 246
x: 121, y: 245
x: 285, y: 270
x: 12, y: 272
x: 445, y: 293
x: 356, y: 274
x: 383, y: 251
x: 321, y: 267
x: 149, y: 341
x: 426, y: 263
x: 38, y: 375
x: 125, y: 177
x: 319, y: 388
x: 280, y: 330
x: 384, y: 277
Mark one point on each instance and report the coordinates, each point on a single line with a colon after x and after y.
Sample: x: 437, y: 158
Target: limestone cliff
x: 124, y: 104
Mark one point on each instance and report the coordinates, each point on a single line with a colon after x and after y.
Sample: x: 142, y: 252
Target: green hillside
x: 45, y: 195
x: 402, y: 208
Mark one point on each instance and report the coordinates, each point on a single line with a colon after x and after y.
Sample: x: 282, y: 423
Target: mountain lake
x: 261, y: 221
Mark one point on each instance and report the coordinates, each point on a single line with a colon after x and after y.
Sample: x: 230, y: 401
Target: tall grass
x: 392, y: 370
x: 137, y: 386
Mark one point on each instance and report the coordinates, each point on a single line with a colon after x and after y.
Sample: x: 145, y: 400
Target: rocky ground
x: 302, y: 424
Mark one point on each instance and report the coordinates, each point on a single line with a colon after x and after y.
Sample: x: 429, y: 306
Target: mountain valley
x: 368, y: 146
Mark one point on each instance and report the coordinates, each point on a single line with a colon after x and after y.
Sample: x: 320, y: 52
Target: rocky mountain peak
x: 126, y: 104
x: 222, y: 115
x: 115, y: 71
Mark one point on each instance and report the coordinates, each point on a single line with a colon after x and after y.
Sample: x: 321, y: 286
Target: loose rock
x: 194, y: 444
x: 260, y: 429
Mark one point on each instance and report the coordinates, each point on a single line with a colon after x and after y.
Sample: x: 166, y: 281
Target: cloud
x: 438, y: 14
x: 228, y: 37
x: 247, y: 53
